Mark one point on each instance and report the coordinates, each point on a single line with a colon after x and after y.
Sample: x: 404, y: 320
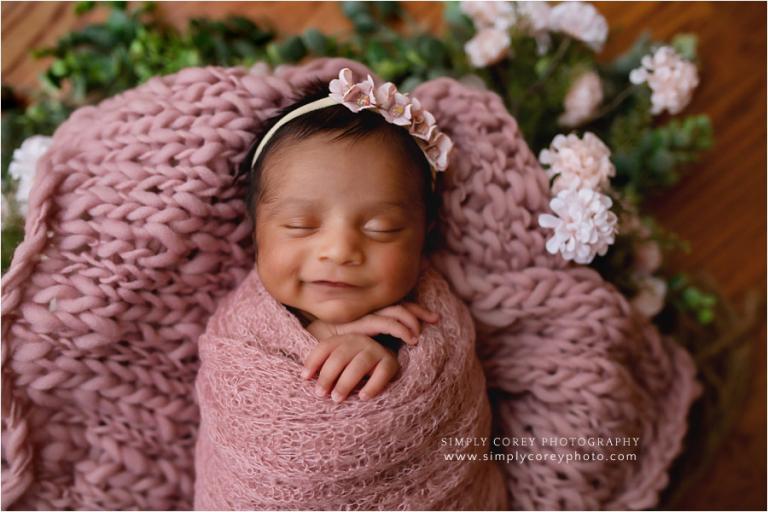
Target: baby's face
x: 346, y: 212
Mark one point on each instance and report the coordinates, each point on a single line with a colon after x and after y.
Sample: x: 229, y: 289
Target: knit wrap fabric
x: 137, y: 229
x: 267, y: 442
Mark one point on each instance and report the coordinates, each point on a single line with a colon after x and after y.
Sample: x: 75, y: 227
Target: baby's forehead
x: 359, y: 167
x: 322, y: 202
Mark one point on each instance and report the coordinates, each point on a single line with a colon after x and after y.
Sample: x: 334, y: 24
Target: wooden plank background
x: 720, y: 207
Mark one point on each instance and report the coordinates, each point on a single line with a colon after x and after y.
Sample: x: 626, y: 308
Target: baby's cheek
x: 401, y: 271
x: 277, y: 270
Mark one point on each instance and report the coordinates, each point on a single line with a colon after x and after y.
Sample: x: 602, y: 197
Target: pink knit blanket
x: 137, y: 230
x: 267, y: 442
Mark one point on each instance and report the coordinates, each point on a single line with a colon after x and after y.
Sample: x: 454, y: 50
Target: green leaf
x: 364, y: 23
x: 388, y: 10
x: 685, y: 45
x: 631, y: 58
x: 315, y: 41
x: 11, y: 238
x: 460, y: 26
x: 84, y: 7
x: 354, y: 9
x: 432, y: 50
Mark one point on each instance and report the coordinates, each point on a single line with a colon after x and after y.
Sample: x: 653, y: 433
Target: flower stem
x: 617, y: 100
x: 562, y: 49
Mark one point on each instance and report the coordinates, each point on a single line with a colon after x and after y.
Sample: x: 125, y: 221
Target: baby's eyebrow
x: 278, y: 205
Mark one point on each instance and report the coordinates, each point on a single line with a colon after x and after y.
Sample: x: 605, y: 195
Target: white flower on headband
x: 396, y: 108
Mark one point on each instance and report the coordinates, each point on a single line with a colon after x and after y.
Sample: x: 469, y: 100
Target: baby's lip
x: 339, y: 284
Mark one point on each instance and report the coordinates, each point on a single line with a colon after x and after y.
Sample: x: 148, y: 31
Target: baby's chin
x: 336, y: 315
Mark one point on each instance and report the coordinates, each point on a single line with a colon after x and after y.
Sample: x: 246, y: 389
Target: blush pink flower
x: 583, y: 224
x: 438, y: 150
x: 394, y: 106
x: 647, y: 257
x: 356, y: 97
x: 671, y: 78
x: 487, y: 47
x: 578, y: 163
x: 340, y: 86
x: 584, y: 96
x: 581, y: 21
x: 422, y: 121
x: 533, y: 19
x: 649, y: 300
x: 498, y: 15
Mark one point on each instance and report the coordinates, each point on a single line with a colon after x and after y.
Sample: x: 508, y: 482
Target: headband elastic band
x: 293, y: 114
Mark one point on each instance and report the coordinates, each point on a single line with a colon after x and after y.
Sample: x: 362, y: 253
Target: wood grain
x: 720, y: 206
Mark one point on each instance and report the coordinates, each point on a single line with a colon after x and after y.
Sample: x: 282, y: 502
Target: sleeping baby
x: 343, y: 196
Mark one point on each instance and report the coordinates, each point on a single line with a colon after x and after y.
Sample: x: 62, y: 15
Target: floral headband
x: 396, y: 108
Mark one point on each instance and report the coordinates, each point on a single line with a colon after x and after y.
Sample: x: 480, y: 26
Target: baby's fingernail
x: 319, y: 391
x: 363, y: 395
x: 336, y: 396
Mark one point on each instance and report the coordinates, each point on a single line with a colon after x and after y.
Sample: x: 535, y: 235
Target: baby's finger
x: 422, y: 312
x: 402, y: 315
x: 382, y: 374
x: 316, y: 358
x: 332, y: 367
x: 358, y: 368
x: 374, y: 324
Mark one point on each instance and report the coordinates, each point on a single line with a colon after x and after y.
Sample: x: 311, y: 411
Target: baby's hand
x: 349, y: 358
x: 401, y: 321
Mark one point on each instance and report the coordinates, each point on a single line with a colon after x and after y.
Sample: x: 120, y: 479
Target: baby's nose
x: 342, y: 247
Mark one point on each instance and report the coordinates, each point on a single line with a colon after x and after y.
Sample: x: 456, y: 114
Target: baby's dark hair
x: 349, y: 125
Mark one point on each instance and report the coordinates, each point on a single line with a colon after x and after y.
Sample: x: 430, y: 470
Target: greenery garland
x: 132, y: 46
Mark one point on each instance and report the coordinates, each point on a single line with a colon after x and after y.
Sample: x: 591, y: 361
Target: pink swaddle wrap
x: 136, y: 231
x: 266, y: 441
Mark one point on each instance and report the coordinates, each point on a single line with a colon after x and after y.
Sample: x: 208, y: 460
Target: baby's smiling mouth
x: 333, y: 284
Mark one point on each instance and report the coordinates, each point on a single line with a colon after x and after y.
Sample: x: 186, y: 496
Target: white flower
x: 533, y: 19
x: 584, y: 226
x: 24, y: 164
x: 578, y: 163
x: 582, y: 99
x: 498, y: 15
x: 671, y: 78
x: 650, y: 298
x: 581, y: 21
x: 487, y: 47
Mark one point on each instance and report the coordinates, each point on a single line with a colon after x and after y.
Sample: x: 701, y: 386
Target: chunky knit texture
x: 267, y: 442
x: 136, y: 230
